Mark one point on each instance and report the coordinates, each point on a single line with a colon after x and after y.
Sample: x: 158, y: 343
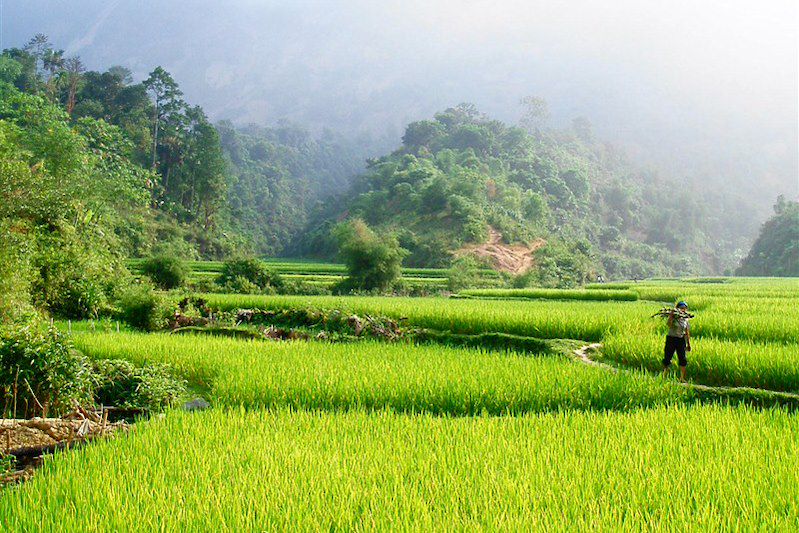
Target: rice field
x: 322, y: 274
x: 728, y: 317
x: 309, y: 435
x: 662, y: 469
x: 554, y: 294
x: 373, y: 375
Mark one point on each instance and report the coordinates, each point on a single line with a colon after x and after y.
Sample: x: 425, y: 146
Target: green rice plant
x: 372, y: 375
x: 609, y: 286
x: 664, y: 469
x: 552, y: 319
x: 763, y: 320
x: 554, y: 294
x: 740, y: 363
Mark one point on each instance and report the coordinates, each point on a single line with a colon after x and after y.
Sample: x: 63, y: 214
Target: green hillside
x: 776, y: 250
x: 460, y: 174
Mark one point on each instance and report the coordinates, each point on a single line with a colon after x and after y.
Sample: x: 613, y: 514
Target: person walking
x: 678, y: 339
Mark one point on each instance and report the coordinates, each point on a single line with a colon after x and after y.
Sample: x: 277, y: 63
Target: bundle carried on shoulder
x: 666, y: 312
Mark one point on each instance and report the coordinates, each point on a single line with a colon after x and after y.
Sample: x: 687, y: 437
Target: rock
x: 197, y: 404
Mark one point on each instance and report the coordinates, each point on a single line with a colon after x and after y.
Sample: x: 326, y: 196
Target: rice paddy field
x: 370, y: 435
x: 323, y: 274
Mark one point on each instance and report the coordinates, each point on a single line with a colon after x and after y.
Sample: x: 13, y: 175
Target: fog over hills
x: 705, y: 92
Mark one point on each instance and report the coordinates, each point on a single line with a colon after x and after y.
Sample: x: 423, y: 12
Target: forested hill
x: 277, y: 175
x: 460, y: 174
x: 205, y: 191
x: 776, y: 250
x: 163, y: 179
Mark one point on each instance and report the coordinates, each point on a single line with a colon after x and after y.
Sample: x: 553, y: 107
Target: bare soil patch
x: 514, y: 259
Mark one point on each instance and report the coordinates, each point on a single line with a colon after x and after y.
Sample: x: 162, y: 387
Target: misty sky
x: 705, y: 88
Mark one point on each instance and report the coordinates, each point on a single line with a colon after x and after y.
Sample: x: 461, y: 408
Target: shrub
x: 251, y: 270
x: 463, y: 273
x: 559, y: 265
x: 122, y: 384
x: 143, y: 308
x: 41, y: 373
x: 166, y: 271
x: 242, y: 285
x: 373, y: 263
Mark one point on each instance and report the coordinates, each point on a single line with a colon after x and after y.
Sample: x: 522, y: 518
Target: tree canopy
x: 776, y: 250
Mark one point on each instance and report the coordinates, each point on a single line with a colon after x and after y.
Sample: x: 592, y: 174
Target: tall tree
x: 167, y: 102
x: 74, y: 70
x: 535, y: 115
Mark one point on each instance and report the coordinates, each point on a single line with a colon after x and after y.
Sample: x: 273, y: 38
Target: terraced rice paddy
x: 373, y: 436
x: 323, y: 274
x: 706, y: 468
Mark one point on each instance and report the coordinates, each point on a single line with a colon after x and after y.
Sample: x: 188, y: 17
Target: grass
x: 306, y: 270
x: 773, y: 366
x: 371, y: 375
x: 707, y: 468
x: 726, y: 316
x: 554, y: 294
x: 545, y: 319
x: 368, y: 436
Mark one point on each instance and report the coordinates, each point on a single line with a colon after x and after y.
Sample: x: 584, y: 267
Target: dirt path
x: 581, y: 354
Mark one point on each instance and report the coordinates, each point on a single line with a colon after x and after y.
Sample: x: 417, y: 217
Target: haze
x: 705, y: 91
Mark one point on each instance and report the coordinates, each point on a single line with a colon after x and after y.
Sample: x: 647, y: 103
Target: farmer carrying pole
x: 678, y: 339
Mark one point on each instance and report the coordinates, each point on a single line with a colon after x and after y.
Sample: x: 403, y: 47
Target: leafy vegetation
x: 143, y: 309
x: 166, y: 271
x: 40, y: 373
x: 122, y: 384
x: 248, y: 275
x: 776, y: 250
x: 44, y: 375
x: 373, y: 261
x: 461, y: 173
x: 280, y: 469
x: 277, y: 176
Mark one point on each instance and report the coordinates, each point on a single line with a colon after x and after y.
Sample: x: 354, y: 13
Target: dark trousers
x: 674, y: 344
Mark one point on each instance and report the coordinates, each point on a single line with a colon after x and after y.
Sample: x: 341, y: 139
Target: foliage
x: 158, y: 151
x: 279, y: 469
x: 166, y: 271
x: 249, y: 274
x: 277, y: 178
x: 40, y: 373
x: 562, y: 265
x: 373, y: 262
x: 464, y: 273
x: 460, y: 173
x: 143, y: 308
x: 122, y: 384
x: 776, y: 250
x: 58, y: 209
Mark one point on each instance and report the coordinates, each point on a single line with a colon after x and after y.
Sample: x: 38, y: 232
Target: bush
x: 463, y: 273
x: 73, y: 276
x: 252, y: 270
x: 242, y: 285
x: 143, y: 308
x: 560, y: 265
x: 166, y: 271
x: 373, y: 263
x: 41, y: 373
x: 122, y: 384
x: 15, y: 274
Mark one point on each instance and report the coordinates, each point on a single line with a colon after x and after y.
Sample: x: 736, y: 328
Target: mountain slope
x: 459, y: 175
